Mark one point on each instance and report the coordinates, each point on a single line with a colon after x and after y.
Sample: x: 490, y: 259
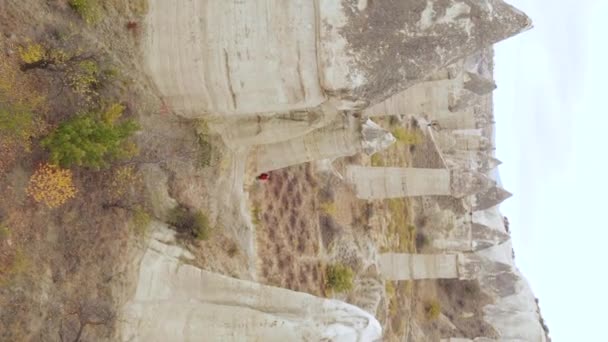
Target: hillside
x: 259, y: 170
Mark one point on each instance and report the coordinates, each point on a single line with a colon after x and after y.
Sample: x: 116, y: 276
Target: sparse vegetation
x: 32, y: 53
x: 329, y: 208
x: 83, y: 78
x: 193, y: 224
x: 377, y: 159
x: 432, y: 309
x: 140, y: 220
x: 339, y: 278
x: 51, y: 185
x: 400, y: 226
x: 123, y: 179
x: 89, y: 10
x: 5, y: 233
x: 233, y: 249
x: 91, y: 140
x: 255, y: 214
x: 406, y: 136
x: 391, y: 296
x: 15, y: 266
x: 421, y: 241
x: 208, y: 153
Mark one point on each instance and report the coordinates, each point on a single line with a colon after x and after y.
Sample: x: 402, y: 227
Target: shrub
x: 233, y: 249
x: 406, y: 136
x: 329, y: 208
x: 88, y: 10
x: 5, y: 233
x: 377, y: 160
x: 432, y: 310
x: 140, y: 220
x: 51, y: 185
x: 16, y: 123
x: 123, y: 178
x: 421, y: 241
x: 89, y: 140
x: 32, y: 53
x: 339, y: 278
x: 255, y: 214
x: 191, y: 224
x: 83, y: 78
x: 17, y: 264
x: 209, y: 154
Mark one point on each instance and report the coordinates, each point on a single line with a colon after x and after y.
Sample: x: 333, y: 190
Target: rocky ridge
x: 304, y: 93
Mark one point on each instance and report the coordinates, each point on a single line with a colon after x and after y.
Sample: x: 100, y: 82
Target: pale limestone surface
x: 273, y: 75
x: 345, y: 137
x: 401, y: 266
x: 394, y: 182
x: 233, y: 57
x: 175, y: 301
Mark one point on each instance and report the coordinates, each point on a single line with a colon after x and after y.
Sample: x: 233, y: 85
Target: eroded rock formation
x: 175, y: 301
x: 280, y: 80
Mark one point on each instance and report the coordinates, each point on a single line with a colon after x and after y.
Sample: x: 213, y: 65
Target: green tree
x: 91, y: 140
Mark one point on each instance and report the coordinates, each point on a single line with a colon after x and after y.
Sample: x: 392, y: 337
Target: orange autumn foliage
x: 51, y: 185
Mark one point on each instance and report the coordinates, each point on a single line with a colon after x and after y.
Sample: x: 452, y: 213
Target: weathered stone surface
x: 465, y: 182
x: 175, y: 301
x: 478, y: 84
x: 394, y: 182
x: 400, y: 266
x: 489, y: 198
x: 340, y: 139
x: 375, y: 138
x: 371, y: 52
x: 234, y: 57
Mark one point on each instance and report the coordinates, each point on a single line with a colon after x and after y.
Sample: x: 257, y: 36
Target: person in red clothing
x: 264, y: 177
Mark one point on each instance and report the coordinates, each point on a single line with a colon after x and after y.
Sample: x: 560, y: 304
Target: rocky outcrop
x: 280, y: 82
x: 394, y: 182
x: 235, y: 58
x: 344, y: 137
x: 370, y: 50
x: 175, y: 301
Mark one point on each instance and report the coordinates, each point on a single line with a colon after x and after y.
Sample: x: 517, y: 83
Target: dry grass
x: 288, y: 236
x: 399, y: 297
x: 402, y: 233
x: 56, y: 263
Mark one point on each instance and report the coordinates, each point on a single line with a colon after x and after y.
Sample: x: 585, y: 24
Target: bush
x: 329, y: 208
x: 51, y: 185
x: 421, y: 241
x: 123, y: 179
x: 5, y: 233
x: 233, y: 249
x: 88, y: 10
x: 191, y: 224
x: 432, y: 310
x: 18, y: 127
x: 339, y: 278
x: 91, y: 140
x: 32, y: 53
x: 84, y: 78
x: 406, y: 136
x: 140, y: 220
x: 377, y: 160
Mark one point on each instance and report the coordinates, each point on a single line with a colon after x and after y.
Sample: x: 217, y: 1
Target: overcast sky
x: 550, y: 128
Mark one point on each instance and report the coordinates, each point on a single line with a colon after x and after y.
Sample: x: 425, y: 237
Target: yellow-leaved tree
x: 51, y: 185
